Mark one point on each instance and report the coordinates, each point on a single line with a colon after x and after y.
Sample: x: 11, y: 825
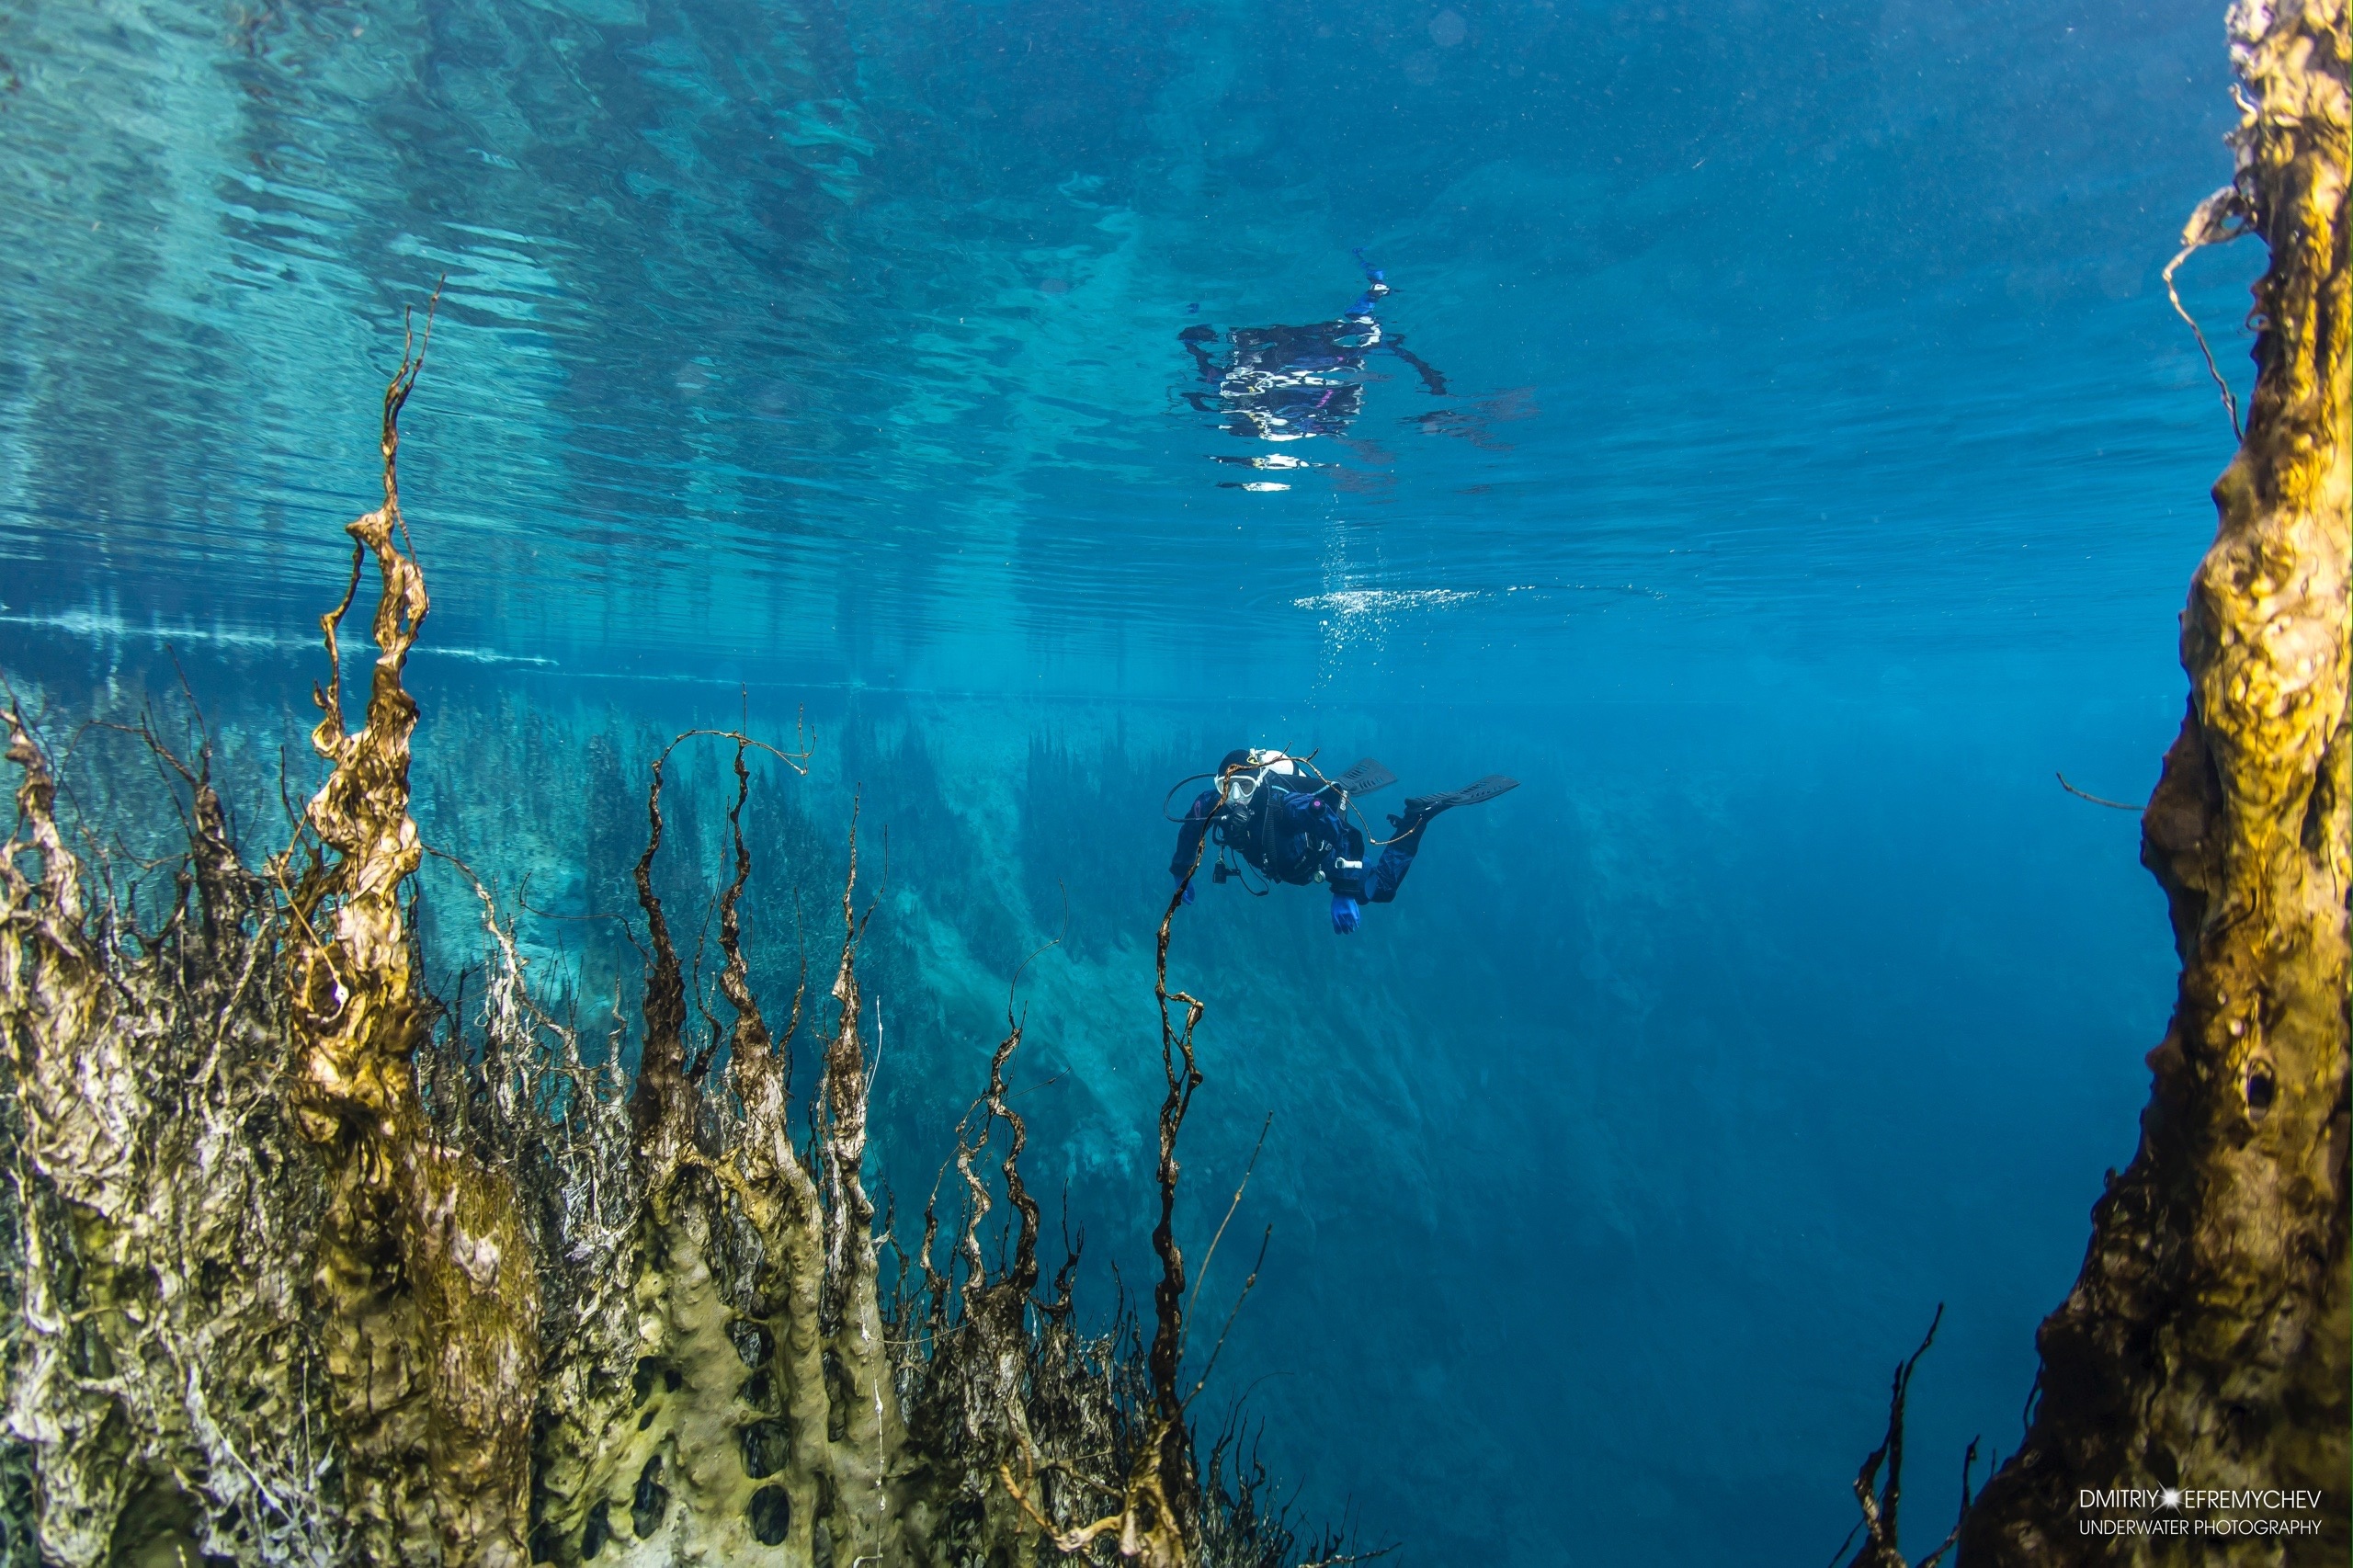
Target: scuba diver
x: 1284, y: 383
x: 1291, y: 824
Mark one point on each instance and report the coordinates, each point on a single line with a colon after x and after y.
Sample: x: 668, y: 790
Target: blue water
x: 1817, y: 470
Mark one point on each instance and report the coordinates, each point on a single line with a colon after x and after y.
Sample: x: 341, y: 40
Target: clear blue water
x: 1817, y: 470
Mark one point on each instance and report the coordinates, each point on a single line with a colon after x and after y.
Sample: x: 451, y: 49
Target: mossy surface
x: 2206, y: 1341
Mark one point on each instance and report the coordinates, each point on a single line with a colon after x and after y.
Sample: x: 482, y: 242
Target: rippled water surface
x: 1775, y: 447
x: 803, y: 332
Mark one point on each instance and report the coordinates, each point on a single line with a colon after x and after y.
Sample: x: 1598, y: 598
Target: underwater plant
x: 308, y: 1266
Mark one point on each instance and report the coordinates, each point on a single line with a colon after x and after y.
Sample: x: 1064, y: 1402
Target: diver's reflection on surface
x: 1286, y: 383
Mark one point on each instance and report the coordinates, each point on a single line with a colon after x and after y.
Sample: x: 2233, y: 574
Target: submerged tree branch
x: 315, y: 1267
x: 431, y: 1303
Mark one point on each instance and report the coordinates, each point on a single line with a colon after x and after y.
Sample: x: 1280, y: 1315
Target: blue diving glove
x: 1346, y: 911
x: 1186, y: 890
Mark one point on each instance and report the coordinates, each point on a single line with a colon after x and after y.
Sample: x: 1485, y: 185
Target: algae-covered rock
x: 2205, y: 1344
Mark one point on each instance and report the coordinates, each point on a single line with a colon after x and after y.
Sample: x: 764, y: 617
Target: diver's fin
x: 1367, y: 777
x: 1421, y: 807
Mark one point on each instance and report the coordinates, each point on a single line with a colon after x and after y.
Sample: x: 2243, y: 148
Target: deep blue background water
x: 1819, y: 470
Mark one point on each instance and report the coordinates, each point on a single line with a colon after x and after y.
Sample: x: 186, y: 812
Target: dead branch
x: 2094, y: 800
x: 440, y: 1447
x: 1881, y: 1547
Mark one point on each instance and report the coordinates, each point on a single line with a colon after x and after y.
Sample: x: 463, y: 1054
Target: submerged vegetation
x: 304, y: 1261
x: 2207, y: 1342
x: 311, y: 1266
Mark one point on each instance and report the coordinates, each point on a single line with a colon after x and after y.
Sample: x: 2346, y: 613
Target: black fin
x: 1367, y: 777
x: 1423, y: 807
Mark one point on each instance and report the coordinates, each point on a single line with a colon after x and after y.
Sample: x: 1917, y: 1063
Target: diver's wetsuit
x: 1291, y: 830
x: 1281, y: 383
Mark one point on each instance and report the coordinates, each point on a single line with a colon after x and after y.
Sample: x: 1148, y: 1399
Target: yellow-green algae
x: 2205, y: 1343
x: 312, y: 1272
x: 430, y: 1308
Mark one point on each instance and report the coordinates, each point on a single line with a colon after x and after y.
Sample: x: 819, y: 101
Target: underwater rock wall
x: 2206, y: 1342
